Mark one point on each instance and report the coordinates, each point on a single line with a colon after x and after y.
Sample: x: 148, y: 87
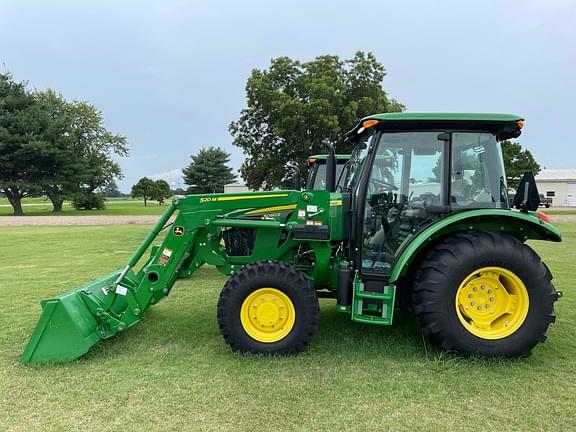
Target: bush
x: 88, y: 201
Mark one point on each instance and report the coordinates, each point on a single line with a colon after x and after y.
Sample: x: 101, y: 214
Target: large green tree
x: 25, y: 158
x: 84, y: 147
x: 57, y: 118
x: 96, y: 148
x: 293, y: 106
x: 517, y: 161
x: 50, y: 145
x: 209, y: 171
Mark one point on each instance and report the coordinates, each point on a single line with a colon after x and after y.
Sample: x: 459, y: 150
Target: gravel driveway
x: 123, y: 220
x: 77, y: 220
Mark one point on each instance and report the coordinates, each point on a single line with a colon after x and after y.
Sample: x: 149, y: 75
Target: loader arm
x: 279, y: 221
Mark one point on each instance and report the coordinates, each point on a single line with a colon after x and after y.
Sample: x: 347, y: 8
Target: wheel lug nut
x: 491, y: 299
x: 479, y: 308
x: 475, y: 289
x: 472, y: 304
x: 489, y: 291
x: 482, y: 287
x: 487, y: 306
x: 470, y: 296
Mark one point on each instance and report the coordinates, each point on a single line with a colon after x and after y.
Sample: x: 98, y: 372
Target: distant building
x: 236, y: 188
x: 558, y: 184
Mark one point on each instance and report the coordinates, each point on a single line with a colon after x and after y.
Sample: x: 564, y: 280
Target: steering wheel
x: 384, y: 185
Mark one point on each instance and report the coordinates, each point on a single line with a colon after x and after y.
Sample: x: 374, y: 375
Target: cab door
x: 401, y: 192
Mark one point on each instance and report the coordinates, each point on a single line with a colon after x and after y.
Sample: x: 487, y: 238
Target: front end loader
x: 421, y: 220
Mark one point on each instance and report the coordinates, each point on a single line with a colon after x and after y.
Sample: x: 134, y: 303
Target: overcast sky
x: 170, y: 75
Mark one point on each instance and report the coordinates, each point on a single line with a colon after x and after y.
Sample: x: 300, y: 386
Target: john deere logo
x: 178, y: 230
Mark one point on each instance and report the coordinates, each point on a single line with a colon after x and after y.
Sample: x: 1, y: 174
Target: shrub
x: 88, y: 201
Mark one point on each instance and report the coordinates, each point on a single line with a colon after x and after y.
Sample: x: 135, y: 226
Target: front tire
x: 482, y: 293
x: 268, y: 308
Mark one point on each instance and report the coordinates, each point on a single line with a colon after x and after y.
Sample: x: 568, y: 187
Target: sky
x: 171, y: 75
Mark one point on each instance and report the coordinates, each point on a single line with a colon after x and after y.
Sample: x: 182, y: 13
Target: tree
x: 145, y: 188
x: 50, y: 145
x: 209, y: 171
x: 95, y: 147
x: 57, y: 117
x: 517, y: 161
x: 293, y: 106
x: 25, y: 159
x: 161, y: 191
x: 83, y: 148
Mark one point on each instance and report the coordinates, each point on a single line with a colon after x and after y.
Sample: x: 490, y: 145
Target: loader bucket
x: 74, y: 322
x: 67, y: 328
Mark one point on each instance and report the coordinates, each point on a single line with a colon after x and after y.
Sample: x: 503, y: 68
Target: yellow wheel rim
x: 267, y: 315
x: 492, y: 302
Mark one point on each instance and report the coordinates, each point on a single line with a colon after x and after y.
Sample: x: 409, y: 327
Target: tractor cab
x: 409, y: 170
x: 317, y: 171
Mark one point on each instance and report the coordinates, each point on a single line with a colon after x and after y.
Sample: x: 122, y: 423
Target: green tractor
x: 421, y: 220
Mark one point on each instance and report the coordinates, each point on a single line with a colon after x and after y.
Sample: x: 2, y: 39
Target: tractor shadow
x: 175, y: 329
x: 338, y: 333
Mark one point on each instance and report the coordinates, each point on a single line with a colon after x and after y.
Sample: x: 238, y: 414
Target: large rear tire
x: 268, y: 308
x: 482, y: 293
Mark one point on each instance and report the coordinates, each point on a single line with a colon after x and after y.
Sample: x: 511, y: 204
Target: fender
x: 523, y: 226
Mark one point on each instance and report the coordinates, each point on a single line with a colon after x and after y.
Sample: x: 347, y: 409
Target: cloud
x: 173, y: 177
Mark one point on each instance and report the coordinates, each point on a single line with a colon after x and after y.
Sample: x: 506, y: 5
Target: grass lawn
x: 173, y: 372
x: 114, y: 207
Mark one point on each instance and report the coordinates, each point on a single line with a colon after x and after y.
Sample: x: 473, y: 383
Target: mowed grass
x: 114, y: 207
x: 173, y: 372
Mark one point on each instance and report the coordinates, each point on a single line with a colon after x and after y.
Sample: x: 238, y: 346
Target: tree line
x: 60, y: 148
x: 56, y: 147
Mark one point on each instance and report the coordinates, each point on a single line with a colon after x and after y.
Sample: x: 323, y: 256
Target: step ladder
x: 371, y: 307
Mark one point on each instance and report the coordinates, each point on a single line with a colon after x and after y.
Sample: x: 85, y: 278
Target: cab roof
x: 456, y: 117
x: 503, y: 125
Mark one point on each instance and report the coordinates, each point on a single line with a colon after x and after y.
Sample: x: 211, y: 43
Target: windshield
x: 320, y: 177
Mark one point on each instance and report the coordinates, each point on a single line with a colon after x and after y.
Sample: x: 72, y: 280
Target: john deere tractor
x: 421, y: 220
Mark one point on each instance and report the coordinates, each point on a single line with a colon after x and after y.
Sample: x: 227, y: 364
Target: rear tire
x: 268, y: 308
x: 454, y: 308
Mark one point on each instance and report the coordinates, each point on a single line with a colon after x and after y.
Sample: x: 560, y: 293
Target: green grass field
x: 114, y: 207
x: 173, y: 372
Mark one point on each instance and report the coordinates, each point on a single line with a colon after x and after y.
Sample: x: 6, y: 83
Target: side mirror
x: 527, y: 197
x: 330, y: 166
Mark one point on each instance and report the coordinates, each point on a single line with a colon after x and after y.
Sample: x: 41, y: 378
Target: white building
x: 236, y: 188
x: 558, y: 184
